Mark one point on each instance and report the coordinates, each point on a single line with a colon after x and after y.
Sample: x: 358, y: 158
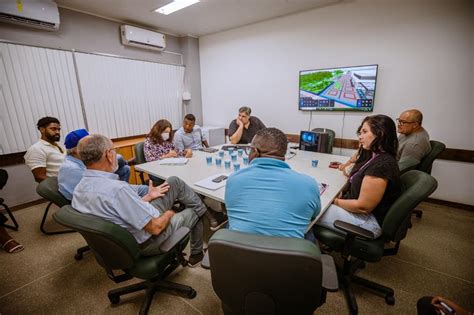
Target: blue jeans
x: 123, y: 169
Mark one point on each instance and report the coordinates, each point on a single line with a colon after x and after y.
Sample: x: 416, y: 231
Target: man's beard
x: 54, y: 138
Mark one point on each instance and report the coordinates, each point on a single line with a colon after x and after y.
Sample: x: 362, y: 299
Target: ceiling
x: 203, y: 18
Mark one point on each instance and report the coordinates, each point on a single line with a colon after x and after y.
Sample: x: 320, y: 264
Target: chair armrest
x: 205, y: 263
x: 354, y: 230
x: 330, y: 282
x: 174, y: 239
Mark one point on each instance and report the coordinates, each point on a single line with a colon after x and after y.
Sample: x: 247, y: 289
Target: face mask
x: 165, y: 136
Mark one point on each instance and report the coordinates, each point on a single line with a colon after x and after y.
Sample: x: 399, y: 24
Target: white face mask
x: 165, y: 136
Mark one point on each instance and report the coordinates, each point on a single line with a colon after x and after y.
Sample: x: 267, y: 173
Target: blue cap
x: 73, y: 138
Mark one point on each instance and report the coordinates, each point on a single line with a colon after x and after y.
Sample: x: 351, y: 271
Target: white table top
x: 197, y: 169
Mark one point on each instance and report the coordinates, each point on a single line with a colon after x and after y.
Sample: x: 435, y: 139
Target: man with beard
x: 46, y: 156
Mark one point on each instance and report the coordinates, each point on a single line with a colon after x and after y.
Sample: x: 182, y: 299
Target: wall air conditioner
x: 138, y: 37
x: 42, y: 14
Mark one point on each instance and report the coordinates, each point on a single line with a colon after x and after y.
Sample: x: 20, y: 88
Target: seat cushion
x: 370, y: 251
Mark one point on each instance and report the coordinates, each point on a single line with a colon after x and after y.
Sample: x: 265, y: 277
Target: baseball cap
x: 73, y: 138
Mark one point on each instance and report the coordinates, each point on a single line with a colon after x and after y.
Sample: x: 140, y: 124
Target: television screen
x: 338, y: 89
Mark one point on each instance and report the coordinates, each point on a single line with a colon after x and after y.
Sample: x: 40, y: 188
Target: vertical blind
x: 35, y: 82
x: 125, y: 97
x: 121, y: 97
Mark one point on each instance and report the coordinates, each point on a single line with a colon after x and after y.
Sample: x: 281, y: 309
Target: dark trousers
x: 424, y: 306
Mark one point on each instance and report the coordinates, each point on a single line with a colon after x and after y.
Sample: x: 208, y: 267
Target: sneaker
x: 220, y: 220
x: 195, y: 259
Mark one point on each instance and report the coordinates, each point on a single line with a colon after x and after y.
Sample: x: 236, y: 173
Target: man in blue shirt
x: 72, y: 169
x: 148, y: 218
x: 268, y: 197
x: 190, y: 135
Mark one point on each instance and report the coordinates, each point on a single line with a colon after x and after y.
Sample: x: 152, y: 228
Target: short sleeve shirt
x: 44, y: 154
x: 247, y: 134
x: 415, y: 145
x: 383, y: 166
x: 192, y: 140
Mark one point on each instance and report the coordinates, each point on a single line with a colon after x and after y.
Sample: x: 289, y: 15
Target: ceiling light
x: 175, y: 6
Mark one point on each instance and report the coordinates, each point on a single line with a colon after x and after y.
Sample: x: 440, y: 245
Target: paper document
x: 173, y: 161
x: 212, y: 185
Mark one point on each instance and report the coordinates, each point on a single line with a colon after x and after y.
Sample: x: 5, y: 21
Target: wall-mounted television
x: 338, y: 89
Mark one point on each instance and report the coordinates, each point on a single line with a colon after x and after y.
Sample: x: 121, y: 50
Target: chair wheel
x: 191, y: 294
x: 390, y: 299
x: 114, y: 299
x: 78, y: 256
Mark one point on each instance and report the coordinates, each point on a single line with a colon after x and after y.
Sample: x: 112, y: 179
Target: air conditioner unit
x: 138, y: 37
x: 42, y: 14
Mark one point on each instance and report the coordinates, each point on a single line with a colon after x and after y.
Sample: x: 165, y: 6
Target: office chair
x: 358, y: 245
x: 3, y: 182
x: 256, y: 274
x: 140, y: 159
x: 426, y: 164
x: 407, y: 164
x: 116, y: 249
x: 49, y: 190
x: 331, y: 137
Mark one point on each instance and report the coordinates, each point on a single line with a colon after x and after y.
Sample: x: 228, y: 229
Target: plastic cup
x: 234, y: 157
x: 218, y: 161
x: 227, y: 164
x: 221, y: 153
x: 231, y: 150
x: 314, y: 163
x: 209, y: 160
x: 246, y: 160
x: 240, y: 152
x: 236, y: 167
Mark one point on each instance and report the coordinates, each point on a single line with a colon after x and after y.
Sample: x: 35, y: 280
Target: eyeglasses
x: 249, y: 149
x: 404, y: 122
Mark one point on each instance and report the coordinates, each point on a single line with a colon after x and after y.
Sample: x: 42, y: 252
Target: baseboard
x: 28, y: 204
x: 451, y: 204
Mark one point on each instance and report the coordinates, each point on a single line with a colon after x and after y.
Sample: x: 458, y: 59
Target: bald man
x: 413, y: 141
x: 268, y: 197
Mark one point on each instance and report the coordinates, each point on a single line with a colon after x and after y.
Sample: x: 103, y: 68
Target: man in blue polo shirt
x: 268, y: 197
x: 190, y: 135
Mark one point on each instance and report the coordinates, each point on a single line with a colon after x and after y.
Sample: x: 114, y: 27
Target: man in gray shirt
x: 244, y: 127
x: 414, y: 141
x: 147, y: 217
x: 190, y: 135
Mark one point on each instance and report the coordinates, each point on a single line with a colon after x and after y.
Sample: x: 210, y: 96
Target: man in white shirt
x: 190, y: 135
x: 46, y: 156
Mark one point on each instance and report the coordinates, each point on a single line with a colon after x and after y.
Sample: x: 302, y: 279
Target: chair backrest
x: 255, y: 274
x: 331, y: 137
x: 407, y: 164
x: 49, y: 190
x: 416, y: 187
x: 113, y: 246
x: 3, y: 178
x: 426, y: 162
x: 139, y: 153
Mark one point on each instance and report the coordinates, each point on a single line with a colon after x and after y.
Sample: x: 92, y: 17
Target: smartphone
x: 219, y: 179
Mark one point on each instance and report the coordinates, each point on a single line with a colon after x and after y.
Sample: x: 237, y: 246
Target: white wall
x: 425, y: 53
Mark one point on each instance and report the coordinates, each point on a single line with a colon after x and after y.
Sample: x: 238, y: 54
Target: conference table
x: 197, y: 169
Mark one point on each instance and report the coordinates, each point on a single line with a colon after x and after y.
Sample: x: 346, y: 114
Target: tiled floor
x: 436, y: 258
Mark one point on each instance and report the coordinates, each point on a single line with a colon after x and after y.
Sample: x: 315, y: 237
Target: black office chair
x: 49, y: 190
x: 256, y: 274
x: 140, y: 159
x: 358, y: 245
x: 426, y: 164
x: 116, y: 249
x: 331, y: 137
x: 3, y: 182
x: 407, y: 164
